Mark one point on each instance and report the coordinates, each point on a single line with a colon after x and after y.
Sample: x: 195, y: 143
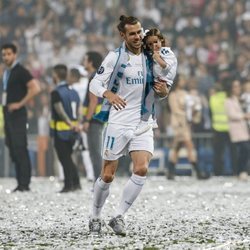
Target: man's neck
x: 12, y: 65
x: 91, y: 71
x: 60, y: 82
x: 134, y: 50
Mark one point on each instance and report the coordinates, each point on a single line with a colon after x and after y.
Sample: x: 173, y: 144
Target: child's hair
x: 154, y: 32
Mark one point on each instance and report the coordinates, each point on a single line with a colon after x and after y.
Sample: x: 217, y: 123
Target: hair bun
x: 122, y: 17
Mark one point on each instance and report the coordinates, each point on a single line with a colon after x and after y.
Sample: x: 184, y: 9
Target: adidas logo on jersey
x: 164, y: 51
x: 129, y: 65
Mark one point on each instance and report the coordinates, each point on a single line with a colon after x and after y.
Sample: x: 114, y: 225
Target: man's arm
x: 93, y: 102
x: 98, y: 85
x: 63, y: 115
x: 101, y: 79
x: 61, y: 112
x: 98, y: 90
x: 33, y: 89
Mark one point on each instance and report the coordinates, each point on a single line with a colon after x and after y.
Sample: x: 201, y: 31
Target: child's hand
x: 156, y: 48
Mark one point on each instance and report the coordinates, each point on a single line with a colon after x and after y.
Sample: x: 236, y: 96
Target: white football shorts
x: 119, y: 140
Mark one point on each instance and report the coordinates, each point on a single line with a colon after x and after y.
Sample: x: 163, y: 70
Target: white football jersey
x: 167, y: 74
x: 131, y: 88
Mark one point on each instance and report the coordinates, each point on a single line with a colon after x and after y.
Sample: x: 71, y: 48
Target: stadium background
x: 210, y: 38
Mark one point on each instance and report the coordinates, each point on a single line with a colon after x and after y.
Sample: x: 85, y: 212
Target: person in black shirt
x: 64, y: 125
x: 18, y: 88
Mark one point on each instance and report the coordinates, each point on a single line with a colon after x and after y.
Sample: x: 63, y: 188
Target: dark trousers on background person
x: 243, y: 149
x: 15, y: 128
x: 64, y: 152
x: 221, y: 141
x: 94, y: 136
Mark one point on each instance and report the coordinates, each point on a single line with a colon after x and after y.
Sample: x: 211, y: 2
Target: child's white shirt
x: 167, y: 74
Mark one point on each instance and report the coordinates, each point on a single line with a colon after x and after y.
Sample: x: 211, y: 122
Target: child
x: 164, y: 68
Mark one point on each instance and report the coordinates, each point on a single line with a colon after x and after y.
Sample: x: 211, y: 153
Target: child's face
x: 154, y: 43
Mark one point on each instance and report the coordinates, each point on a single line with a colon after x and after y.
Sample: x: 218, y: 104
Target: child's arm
x: 159, y: 60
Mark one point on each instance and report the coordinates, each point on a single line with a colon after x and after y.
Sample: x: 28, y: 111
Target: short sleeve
x: 26, y: 76
x: 104, y: 72
x: 99, y: 83
x: 55, y: 97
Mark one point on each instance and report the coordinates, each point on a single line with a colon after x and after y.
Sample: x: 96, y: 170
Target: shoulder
x: 168, y: 55
x: 112, y: 55
x: 54, y: 95
x: 62, y: 89
x: 73, y: 89
x: 166, y: 51
x: 21, y: 71
x: 109, y: 61
x: 20, y: 67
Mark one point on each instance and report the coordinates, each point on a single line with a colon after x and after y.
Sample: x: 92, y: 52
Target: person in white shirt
x: 121, y: 80
x: 81, y: 87
x: 164, y: 68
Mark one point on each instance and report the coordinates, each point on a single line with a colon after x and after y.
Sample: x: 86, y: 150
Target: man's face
x: 133, y: 36
x: 54, y: 77
x: 8, y: 57
x: 86, y: 63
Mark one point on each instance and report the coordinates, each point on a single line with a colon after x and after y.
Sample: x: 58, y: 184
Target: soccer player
x: 124, y: 80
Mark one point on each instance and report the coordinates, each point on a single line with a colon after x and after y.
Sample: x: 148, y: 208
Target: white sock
x: 101, y: 192
x: 130, y: 193
x: 88, y: 165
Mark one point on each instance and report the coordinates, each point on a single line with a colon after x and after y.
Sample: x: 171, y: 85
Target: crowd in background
x: 210, y: 38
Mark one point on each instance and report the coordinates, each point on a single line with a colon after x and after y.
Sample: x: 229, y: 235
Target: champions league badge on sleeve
x: 100, y: 70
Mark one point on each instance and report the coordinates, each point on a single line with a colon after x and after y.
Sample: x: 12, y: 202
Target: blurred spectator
x: 64, y: 126
x: 92, y: 105
x: 242, y: 68
x: 220, y: 126
x: 147, y: 11
x: 81, y: 89
x: 245, y: 99
x: 19, y: 87
x: 205, y: 81
x: 238, y: 129
x: 208, y: 37
x: 181, y: 118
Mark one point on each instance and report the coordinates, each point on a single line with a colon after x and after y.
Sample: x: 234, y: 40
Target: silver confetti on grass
x: 184, y: 214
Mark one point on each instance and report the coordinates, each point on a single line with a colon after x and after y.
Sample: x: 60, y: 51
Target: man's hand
x: 115, y: 100
x: 161, y: 88
x: 75, y: 128
x: 85, y: 126
x: 14, y: 106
